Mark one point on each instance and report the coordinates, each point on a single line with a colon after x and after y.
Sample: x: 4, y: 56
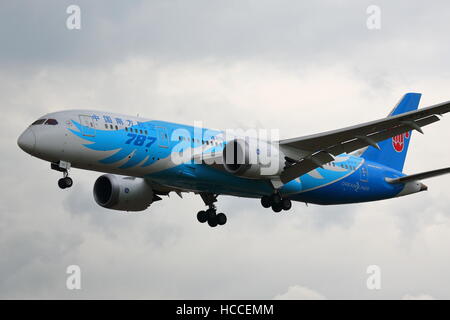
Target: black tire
x: 212, y: 221
x: 68, y: 181
x: 221, y: 219
x: 286, y: 204
x: 62, y: 183
x: 277, y: 207
x: 265, y: 201
x: 276, y: 198
x: 210, y: 213
x: 202, y: 217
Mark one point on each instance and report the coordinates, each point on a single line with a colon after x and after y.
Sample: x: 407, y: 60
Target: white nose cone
x: 27, y: 141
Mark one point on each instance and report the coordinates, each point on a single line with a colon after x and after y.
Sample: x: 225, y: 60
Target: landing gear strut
x: 210, y: 215
x: 277, y: 202
x: 65, y: 181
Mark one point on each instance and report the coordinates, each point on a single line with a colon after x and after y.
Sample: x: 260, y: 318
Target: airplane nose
x: 27, y: 141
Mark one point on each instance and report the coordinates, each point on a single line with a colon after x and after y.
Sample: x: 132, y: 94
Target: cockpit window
x: 37, y: 122
x: 51, y: 122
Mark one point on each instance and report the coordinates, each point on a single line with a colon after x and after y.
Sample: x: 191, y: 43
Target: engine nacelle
x: 122, y: 193
x: 254, y: 159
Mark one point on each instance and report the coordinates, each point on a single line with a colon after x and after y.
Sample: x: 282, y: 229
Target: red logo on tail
x: 398, y: 142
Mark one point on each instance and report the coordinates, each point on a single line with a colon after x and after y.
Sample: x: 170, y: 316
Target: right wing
x: 318, y: 149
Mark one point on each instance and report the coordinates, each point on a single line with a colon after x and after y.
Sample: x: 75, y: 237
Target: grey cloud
x: 300, y: 67
x: 295, y: 32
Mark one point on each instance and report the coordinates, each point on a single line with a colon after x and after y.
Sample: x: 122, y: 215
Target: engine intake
x: 122, y: 193
x: 254, y: 159
x: 236, y: 158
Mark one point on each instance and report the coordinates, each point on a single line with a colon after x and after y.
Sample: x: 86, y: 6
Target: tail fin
x: 393, y: 151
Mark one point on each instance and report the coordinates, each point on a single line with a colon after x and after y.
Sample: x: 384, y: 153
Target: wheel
x: 221, y: 219
x: 68, y: 181
x: 210, y: 213
x: 277, y: 207
x: 276, y: 198
x: 62, y: 183
x: 202, y: 217
x: 265, y: 201
x: 212, y: 221
x: 286, y: 204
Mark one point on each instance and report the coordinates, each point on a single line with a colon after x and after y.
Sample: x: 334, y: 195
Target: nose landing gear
x: 211, y: 216
x: 66, y: 181
x: 277, y: 202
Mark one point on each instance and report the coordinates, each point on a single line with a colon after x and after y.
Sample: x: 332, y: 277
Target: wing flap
x: 305, y: 165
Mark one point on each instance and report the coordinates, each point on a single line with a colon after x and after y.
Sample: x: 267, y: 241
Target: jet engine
x: 253, y: 159
x: 122, y: 193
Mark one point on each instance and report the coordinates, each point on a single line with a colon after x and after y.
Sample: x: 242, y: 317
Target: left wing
x: 419, y: 176
x: 320, y: 148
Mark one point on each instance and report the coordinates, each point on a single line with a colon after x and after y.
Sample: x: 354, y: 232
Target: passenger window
x: 126, y: 129
x: 37, y: 122
x: 51, y: 122
x: 106, y: 126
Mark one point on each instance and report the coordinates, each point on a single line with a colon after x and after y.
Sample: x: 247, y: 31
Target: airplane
x: 143, y: 160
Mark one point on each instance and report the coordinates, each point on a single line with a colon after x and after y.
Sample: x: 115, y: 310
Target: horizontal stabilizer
x: 419, y: 176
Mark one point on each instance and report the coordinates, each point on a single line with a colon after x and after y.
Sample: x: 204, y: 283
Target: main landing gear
x: 210, y: 215
x: 277, y: 202
x: 65, y: 181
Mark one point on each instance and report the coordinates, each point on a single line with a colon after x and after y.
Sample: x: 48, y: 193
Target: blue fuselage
x: 139, y: 147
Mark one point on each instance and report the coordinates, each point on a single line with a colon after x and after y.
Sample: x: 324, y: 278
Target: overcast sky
x: 299, y: 67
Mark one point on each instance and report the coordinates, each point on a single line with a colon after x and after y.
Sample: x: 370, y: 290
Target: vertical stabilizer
x: 393, y: 151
